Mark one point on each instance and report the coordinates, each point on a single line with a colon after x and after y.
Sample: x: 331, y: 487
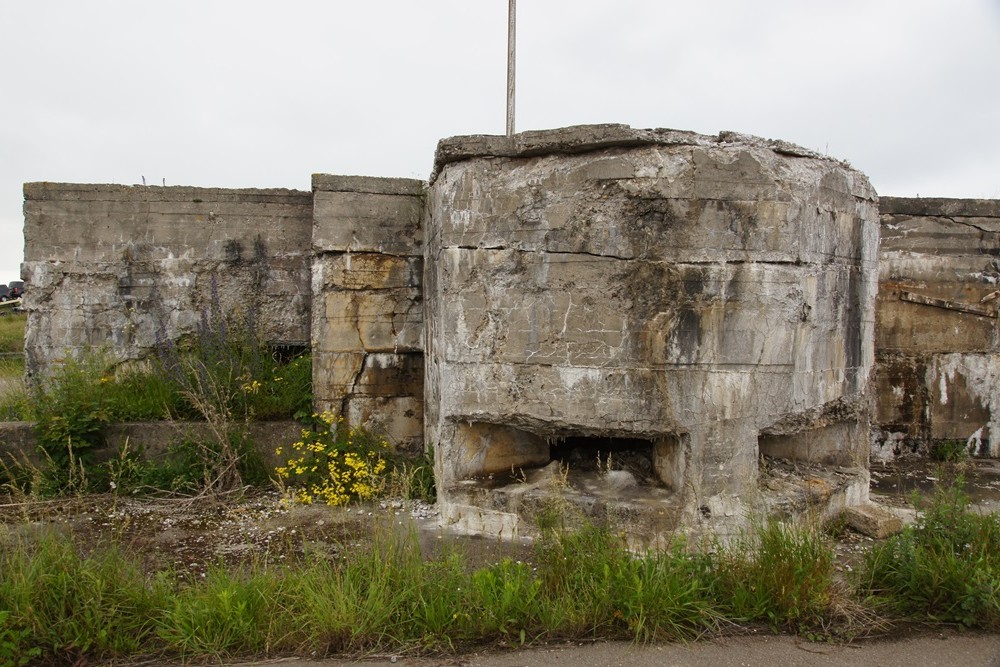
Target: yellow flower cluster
x: 333, y: 464
x: 251, y: 387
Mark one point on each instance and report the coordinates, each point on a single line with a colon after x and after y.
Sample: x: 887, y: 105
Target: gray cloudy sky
x: 262, y: 94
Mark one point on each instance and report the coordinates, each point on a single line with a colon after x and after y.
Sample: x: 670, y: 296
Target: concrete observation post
x: 681, y: 304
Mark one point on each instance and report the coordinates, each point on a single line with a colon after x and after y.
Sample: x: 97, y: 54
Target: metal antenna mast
x: 511, y: 29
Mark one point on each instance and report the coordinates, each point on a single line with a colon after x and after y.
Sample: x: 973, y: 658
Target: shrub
x: 72, y: 410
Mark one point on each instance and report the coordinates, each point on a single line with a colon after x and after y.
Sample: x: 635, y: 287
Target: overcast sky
x: 263, y: 94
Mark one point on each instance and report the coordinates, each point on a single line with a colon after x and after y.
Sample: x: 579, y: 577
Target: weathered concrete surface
x: 937, y: 367
x: 367, y: 319
x: 117, y: 267
x: 699, y: 294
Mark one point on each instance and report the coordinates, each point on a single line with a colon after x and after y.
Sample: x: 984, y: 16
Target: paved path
x: 933, y: 650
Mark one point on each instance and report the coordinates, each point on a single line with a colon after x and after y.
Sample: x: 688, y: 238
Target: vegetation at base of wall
x: 225, y: 375
x: 335, y: 463
x: 63, y: 604
x: 190, y: 466
x: 944, y: 568
x: 949, y: 451
x: 382, y: 596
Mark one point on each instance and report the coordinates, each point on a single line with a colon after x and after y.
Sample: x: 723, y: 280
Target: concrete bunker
x: 689, y: 302
x: 701, y: 306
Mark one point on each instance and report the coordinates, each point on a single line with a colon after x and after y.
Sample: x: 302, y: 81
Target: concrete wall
x: 116, y: 266
x: 367, y: 317
x: 938, y: 373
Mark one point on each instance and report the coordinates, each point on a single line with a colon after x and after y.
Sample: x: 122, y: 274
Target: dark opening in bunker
x: 657, y: 462
x: 501, y: 454
x: 604, y: 454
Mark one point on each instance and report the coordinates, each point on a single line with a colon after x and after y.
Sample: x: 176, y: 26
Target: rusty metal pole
x: 511, y: 25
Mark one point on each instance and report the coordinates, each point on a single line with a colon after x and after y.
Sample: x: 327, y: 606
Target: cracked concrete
x: 367, y: 317
x: 690, y: 292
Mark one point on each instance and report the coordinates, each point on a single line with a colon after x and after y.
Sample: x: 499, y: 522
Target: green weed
x: 64, y: 605
x: 949, y: 451
x: 778, y: 573
x: 594, y: 586
x: 412, y: 479
x: 229, y: 613
x: 943, y: 568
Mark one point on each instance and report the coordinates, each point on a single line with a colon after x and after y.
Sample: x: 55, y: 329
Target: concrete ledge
x: 44, y: 191
x: 939, y: 207
x: 585, y: 138
x: 373, y: 185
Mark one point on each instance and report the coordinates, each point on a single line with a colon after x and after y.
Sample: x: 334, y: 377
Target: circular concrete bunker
x: 629, y: 319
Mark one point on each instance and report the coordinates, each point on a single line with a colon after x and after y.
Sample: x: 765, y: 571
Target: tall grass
x: 65, y: 605
x: 778, y: 574
x: 14, y: 398
x: 383, y: 596
x: 603, y: 590
x: 944, y: 568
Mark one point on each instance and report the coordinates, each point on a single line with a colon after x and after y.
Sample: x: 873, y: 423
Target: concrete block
x: 369, y: 271
x: 873, y: 521
x: 398, y: 418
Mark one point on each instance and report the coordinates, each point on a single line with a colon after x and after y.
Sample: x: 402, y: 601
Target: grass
x: 382, y: 596
x: 14, y: 400
x: 12, y: 333
x: 778, y: 574
x: 945, y: 568
x: 63, y: 604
